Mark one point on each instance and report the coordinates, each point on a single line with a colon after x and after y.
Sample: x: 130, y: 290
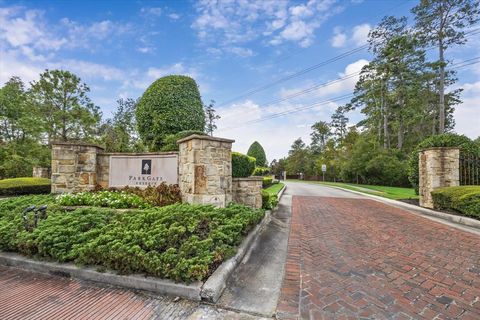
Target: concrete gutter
x: 216, y: 283
x: 450, y: 219
x: 136, y: 282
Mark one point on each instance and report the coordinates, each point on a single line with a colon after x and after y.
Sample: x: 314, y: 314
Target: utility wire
x: 460, y: 64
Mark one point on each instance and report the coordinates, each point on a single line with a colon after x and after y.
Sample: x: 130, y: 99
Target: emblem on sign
x: 146, y: 166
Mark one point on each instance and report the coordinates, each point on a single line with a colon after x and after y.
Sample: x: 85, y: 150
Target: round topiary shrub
x: 242, y: 165
x: 256, y: 150
x: 466, y: 145
x: 170, y: 105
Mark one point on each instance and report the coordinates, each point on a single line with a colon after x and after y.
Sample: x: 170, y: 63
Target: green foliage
x: 444, y: 140
x: 267, y: 182
x: 269, y: 200
x: 463, y: 199
x: 64, y: 106
x: 110, y: 199
x: 170, y: 141
x: 242, y: 165
x: 21, y: 186
x: 261, y: 171
x: 170, y: 105
x: 180, y: 242
x: 161, y: 195
x: 256, y: 150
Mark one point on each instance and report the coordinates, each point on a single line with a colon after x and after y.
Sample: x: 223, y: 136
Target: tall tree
x: 68, y: 113
x: 211, y: 118
x: 119, y: 134
x: 320, y: 134
x: 256, y: 150
x: 339, y: 123
x: 442, y: 23
x: 17, y: 116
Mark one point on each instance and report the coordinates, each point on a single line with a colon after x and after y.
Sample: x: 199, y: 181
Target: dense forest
x: 404, y: 94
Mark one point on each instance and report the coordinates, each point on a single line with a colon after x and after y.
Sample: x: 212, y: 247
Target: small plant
x: 269, y: 201
x: 110, y: 199
x: 161, y: 195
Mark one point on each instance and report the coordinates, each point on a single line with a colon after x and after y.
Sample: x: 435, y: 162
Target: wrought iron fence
x: 469, y: 170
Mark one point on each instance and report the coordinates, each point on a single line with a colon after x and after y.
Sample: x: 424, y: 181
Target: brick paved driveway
x: 359, y: 258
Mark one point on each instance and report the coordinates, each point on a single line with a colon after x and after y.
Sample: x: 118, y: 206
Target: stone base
x: 248, y: 191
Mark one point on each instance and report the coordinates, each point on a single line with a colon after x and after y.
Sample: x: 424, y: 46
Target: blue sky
x: 230, y: 47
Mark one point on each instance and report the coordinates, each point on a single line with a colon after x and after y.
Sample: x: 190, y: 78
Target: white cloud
x: 174, y: 16
x: 230, y: 23
x: 333, y: 88
x: 154, y: 11
x: 358, y: 36
x: 466, y: 114
x: 239, y: 51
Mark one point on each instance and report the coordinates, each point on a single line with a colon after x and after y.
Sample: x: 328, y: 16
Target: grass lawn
x: 274, y: 189
x: 395, y: 193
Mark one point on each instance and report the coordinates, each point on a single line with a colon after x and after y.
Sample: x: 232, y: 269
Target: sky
x: 250, y: 57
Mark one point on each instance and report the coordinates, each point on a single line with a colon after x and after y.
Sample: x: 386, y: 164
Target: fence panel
x: 469, y: 170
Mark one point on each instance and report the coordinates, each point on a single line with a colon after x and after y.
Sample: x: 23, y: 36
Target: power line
x: 461, y: 64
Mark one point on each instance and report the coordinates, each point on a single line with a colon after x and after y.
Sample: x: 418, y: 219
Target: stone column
x: 74, y: 167
x: 438, y: 167
x: 205, y: 170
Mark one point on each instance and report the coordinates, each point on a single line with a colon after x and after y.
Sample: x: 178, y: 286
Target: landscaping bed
x: 180, y: 242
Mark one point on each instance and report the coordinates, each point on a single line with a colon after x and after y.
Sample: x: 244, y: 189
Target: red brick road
x: 358, y: 258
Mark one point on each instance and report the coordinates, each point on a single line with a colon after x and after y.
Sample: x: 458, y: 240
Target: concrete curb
x: 216, y: 283
x: 137, y: 282
x: 280, y: 193
x: 469, y: 222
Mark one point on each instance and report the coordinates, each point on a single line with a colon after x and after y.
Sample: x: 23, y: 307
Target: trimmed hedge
x: 180, y: 242
x: 463, y: 199
x: 267, y: 182
x: 170, y: 105
x: 256, y: 150
x: 242, y: 165
x: 22, y: 186
x: 269, y: 201
x: 261, y: 171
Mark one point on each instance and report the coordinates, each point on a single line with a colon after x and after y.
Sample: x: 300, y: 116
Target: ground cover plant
x: 21, y: 186
x: 462, y: 199
x: 110, y: 199
x: 181, y: 242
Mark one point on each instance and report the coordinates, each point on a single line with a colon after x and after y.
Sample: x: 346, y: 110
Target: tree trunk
x: 441, y: 89
x: 400, y: 135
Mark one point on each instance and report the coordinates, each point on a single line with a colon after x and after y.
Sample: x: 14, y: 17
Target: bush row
x: 242, y: 165
x: 21, y: 186
x: 261, y: 171
x: 463, y: 199
x: 180, y: 242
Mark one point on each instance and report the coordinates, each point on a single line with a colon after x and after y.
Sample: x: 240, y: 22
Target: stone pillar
x: 438, y: 167
x: 74, y: 167
x: 205, y: 170
x: 248, y: 191
x: 41, y: 172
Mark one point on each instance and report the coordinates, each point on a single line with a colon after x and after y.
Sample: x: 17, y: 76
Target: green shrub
x: 22, y: 186
x: 269, y: 201
x: 180, y: 242
x: 242, y: 165
x: 443, y: 140
x: 256, y: 150
x: 267, y: 182
x: 261, y: 171
x: 170, y: 141
x: 170, y: 105
x: 463, y: 199
x: 110, y: 199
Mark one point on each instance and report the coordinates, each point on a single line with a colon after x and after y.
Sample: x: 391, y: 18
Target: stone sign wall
x: 438, y: 167
x: 202, y: 168
x: 248, y: 191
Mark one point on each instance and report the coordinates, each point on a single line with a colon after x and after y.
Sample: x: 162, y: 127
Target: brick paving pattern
x: 358, y: 258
